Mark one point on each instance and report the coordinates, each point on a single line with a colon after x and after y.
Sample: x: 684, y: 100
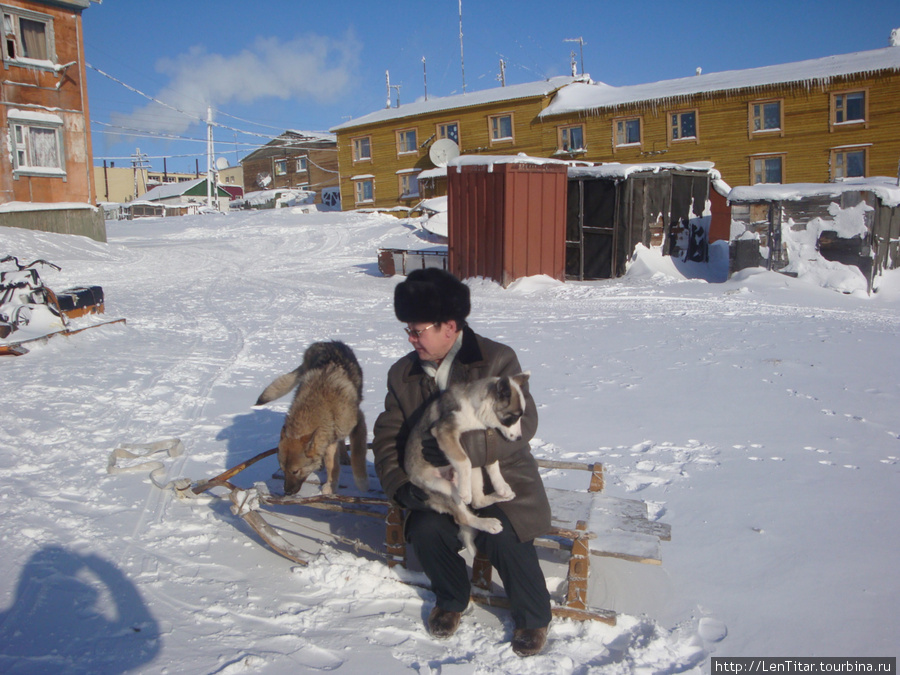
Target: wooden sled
x: 585, y: 524
x: 18, y: 348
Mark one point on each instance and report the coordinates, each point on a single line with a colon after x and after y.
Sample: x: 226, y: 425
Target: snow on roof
x: 581, y: 97
x: 885, y: 188
x: 616, y: 170
x: 167, y: 190
x: 469, y: 99
x: 490, y: 160
x: 15, y: 207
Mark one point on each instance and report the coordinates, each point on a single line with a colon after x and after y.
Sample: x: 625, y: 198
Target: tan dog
x: 324, y: 412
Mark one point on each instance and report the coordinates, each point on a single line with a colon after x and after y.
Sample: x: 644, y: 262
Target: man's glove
x: 411, y: 497
x: 432, y: 452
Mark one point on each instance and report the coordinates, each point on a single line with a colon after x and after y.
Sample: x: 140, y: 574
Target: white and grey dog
x: 489, y: 403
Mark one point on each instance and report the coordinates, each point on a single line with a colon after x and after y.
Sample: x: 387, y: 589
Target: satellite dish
x: 221, y: 164
x: 263, y: 179
x: 442, y: 151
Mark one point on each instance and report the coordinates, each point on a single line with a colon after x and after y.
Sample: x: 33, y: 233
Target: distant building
x: 821, y: 120
x: 190, y: 197
x: 47, y: 156
x: 296, y: 159
x: 120, y: 184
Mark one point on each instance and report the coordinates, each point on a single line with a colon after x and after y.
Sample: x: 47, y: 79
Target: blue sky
x: 292, y: 64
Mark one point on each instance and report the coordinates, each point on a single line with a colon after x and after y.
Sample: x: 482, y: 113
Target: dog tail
x: 358, y: 453
x: 280, y: 386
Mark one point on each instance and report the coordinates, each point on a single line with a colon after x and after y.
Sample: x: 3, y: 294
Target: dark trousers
x: 435, y: 539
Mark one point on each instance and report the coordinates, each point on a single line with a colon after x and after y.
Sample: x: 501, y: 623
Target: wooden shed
x: 506, y: 217
x: 611, y: 208
x: 854, y: 222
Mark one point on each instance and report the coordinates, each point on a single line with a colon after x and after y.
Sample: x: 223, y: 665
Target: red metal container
x: 507, y: 220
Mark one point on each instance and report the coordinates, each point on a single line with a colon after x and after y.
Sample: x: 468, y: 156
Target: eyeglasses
x: 412, y: 332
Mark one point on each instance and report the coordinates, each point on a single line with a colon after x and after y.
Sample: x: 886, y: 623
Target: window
x: 37, y: 143
x: 406, y: 141
x: 683, y: 126
x: 27, y: 35
x: 409, y: 185
x: 627, y: 131
x: 501, y: 128
x: 449, y: 130
x: 848, y: 107
x: 362, y: 149
x: 571, y: 139
x: 301, y: 164
x: 765, y: 116
x: 365, y: 190
x: 848, y: 163
x: 766, y: 169
x: 280, y: 167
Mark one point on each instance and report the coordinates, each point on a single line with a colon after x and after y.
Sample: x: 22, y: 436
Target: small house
x: 192, y: 192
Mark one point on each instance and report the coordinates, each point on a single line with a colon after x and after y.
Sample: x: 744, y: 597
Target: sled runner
x: 585, y: 523
x: 31, y: 312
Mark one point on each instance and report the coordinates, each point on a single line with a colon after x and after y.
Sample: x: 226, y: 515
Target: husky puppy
x: 489, y: 403
x: 324, y: 412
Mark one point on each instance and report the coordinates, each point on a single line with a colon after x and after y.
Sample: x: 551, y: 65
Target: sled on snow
x: 585, y: 523
x: 31, y: 312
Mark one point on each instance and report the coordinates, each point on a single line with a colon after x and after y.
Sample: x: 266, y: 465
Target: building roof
x: 885, y: 188
x: 169, y: 190
x: 584, y: 97
x: 293, y: 140
x: 467, y: 100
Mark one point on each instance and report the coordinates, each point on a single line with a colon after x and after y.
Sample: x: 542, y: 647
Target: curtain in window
x: 34, y: 40
x: 44, y: 151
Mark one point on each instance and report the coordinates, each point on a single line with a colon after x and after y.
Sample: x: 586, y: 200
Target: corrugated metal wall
x: 507, y: 220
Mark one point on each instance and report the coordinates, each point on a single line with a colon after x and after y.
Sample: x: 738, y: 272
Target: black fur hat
x: 432, y: 296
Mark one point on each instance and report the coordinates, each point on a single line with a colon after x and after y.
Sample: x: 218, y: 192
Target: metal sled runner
x: 585, y: 524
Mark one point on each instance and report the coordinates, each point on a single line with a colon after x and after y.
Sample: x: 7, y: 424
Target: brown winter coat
x: 410, y: 389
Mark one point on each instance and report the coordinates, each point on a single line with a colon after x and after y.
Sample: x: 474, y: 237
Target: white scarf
x: 441, y: 373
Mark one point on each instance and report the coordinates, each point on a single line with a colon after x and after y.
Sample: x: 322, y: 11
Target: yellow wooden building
x: 812, y: 121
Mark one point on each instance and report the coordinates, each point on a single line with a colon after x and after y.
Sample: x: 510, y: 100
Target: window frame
x: 279, y: 167
x: 616, y: 121
x: 355, y: 147
x: 16, y: 14
x: 440, y: 131
x: 412, y: 180
x: 400, y: 135
x: 832, y: 116
x: 301, y: 164
x: 780, y: 156
x: 773, y: 131
x: 679, y: 114
x: 358, y: 186
x: 496, y: 140
x: 21, y: 145
x: 562, y: 132
x: 844, y: 150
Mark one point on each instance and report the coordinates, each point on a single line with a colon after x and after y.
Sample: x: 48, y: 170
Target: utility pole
x: 462, y: 60
x: 387, y: 77
x: 502, y: 75
x: 139, y: 163
x: 210, y: 160
x: 425, y: 77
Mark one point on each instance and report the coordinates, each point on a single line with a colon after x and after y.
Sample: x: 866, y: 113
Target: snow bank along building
x: 47, y: 157
x: 817, y: 121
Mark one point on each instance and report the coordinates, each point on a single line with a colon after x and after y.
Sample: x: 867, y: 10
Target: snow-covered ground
x: 759, y: 417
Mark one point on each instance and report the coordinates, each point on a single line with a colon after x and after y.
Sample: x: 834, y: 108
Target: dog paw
x: 506, y: 496
x: 491, y: 525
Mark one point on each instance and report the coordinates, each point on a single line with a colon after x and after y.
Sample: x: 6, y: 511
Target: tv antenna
x: 580, y: 41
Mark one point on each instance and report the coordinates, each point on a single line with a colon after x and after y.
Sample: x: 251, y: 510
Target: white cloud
x: 312, y: 67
